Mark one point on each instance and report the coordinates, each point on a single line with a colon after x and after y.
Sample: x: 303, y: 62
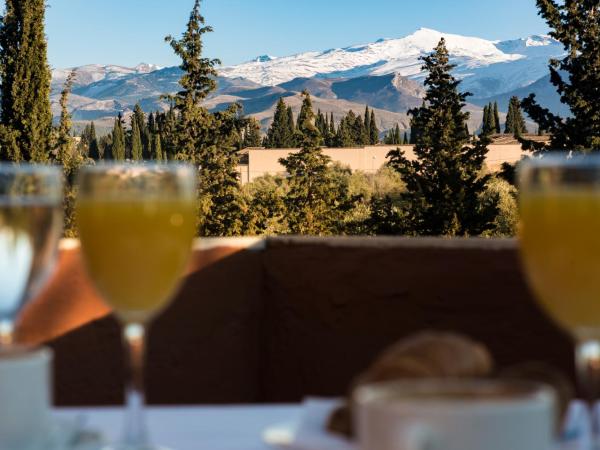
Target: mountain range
x: 385, y: 75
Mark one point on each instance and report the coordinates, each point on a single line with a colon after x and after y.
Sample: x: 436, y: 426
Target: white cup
x: 455, y: 415
x: 25, y: 399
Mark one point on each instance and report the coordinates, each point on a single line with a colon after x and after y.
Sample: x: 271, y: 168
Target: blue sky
x: 128, y: 32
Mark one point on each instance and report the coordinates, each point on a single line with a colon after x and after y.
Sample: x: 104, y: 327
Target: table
x: 195, y: 428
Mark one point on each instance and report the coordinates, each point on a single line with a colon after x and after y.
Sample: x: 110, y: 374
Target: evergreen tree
x: 497, y: 129
x: 118, y: 140
x: 25, y: 116
x: 444, y: 183
x: 210, y: 140
x: 515, y: 122
x: 315, y: 203
x: 280, y: 134
x: 157, y: 153
x: 405, y: 141
x: 252, y: 136
x: 136, y: 140
x: 94, y: 148
x: 359, y: 134
x: 64, y: 141
x: 397, y: 138
x: 485, y: 124
x: 373, y: 130
x: 198, y: 81
x: 367, y: 123
x: 576, y: 24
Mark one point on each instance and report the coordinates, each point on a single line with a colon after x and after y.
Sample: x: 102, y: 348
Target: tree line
x: 515, y: 122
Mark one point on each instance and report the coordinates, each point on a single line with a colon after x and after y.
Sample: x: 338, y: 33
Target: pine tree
x: 280, y: 134
x: 210, y: 140
x: 25, y: 117
x: 576, y: 24
x: 497, y: 129
x: 373, y: 130
x: 444, y: 183
x: 315, y: 203
x: 136, y: 140
x: 118, y: 140
x: 198, y: 81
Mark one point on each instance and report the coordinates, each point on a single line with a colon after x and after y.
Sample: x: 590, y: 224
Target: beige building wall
x: 368, y: 159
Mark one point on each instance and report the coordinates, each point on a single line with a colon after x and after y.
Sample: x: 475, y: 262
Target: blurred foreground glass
x: 136, y: 225
x: 560, y: 245
x: 30, y: 229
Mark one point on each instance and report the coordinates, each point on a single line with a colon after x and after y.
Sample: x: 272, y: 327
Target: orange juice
x: 560, y: 240
x: 136, y: 250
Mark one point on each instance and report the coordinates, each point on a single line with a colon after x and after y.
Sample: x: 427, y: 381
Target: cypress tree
x: 576, y: 24
x: 490, y: 125
x: 359, y: 134
x: 367, y: 123
x: 157, y: 153
x: 280, y: 135
x: 25, y: 117
x: 486, y: 120
x: 497, y: 129
x: 94, y: 148
x: 515, y: 122
x: 64, y: 142
x: 252, y: 136
x: 405, y: 142
x: 373, y: 130
x: 136, y: 140
x: 444, y: 183
x: 118, y: 140
x: 509, y: 127
x: 397, y: 135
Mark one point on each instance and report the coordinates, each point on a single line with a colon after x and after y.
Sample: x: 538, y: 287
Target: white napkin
x: 310, y: 432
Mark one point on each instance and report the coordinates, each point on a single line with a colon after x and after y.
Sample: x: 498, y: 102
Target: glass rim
x: 561, y: 159
x: 151, y: 165
x: 32, y: 168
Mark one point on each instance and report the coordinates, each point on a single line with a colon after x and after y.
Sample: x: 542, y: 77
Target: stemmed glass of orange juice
x: 560, y: 247
x: 136, y: 224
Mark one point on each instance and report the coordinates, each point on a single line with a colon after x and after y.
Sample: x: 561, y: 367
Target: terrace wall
x: 274, y: 320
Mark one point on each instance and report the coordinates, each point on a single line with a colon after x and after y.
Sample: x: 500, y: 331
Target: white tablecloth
x: 195, y: 428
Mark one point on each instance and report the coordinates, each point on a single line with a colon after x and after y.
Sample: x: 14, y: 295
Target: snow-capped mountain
x: 487, y: 67
x: 94, y: 73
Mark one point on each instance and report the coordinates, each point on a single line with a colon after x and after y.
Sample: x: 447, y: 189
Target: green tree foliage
x: 93, y: 146
x: 501, y: 193
x: 156, y: 148
x: 405, y: 141
x: 373, y: 130
x: 25, y: 117
x: 118, y: 140
x: 210, y: 140
x: 515, y: 122
x: 576, y: 24
x: 266, y: 212
x: 491, y: 120
x: 252, y: 137
x: 393, y: 136
x: 64, y: 141
x: 498, y: 129
x: 444, y: 184
x: 315, y: 204
x: 281, y: 131
x: 136, y: 140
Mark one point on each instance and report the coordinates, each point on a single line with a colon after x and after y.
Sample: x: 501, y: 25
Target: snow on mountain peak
x: 505, y: 61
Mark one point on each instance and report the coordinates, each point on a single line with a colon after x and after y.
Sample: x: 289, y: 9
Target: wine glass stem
x: 135, y: 434
x: 7, y: 331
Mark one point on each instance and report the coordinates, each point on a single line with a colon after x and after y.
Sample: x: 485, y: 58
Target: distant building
x: 257, y: 162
